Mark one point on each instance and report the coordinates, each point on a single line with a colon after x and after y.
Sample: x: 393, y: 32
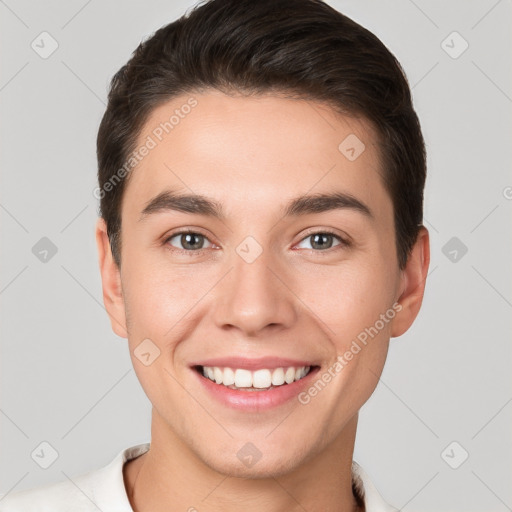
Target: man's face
x: 296, y: 288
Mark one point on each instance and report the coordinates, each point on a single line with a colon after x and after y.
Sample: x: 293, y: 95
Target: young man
x: 261, y: 175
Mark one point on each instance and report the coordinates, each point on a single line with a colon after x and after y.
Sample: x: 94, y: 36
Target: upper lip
x: 253, y: 363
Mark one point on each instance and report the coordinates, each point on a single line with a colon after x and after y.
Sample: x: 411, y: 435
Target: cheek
x: 160, y: 298
x: 361, y: 313
x: 348, y: 298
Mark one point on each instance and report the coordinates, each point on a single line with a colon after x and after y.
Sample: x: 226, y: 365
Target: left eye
x: 322, y: 240
x: 190, y: 241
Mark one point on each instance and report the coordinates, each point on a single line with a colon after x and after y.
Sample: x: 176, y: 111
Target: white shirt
x: 103, y: 489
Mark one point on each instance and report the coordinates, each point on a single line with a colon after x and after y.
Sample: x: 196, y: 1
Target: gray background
x: 68, y: 380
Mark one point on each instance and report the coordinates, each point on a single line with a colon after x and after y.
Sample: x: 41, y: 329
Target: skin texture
x: 253, y: 155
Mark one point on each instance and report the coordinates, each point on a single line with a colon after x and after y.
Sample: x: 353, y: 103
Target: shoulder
x: 366, y: 491
x: 56, y: 497
x: 100, y: 489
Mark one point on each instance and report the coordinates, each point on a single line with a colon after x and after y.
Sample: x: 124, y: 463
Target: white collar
x: 104, y: 489
x: 361, y: 481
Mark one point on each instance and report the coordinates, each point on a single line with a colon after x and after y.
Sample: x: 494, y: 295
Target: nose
x: 255, y: 297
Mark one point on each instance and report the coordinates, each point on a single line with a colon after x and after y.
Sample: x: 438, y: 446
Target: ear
x: 111, y: 281
x: 412, y: 285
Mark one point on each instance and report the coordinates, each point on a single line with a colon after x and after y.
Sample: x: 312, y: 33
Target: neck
x: 171, y: 477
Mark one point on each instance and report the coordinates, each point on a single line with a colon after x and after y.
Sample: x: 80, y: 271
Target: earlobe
x: 111, y: 281
x: 412, y: 286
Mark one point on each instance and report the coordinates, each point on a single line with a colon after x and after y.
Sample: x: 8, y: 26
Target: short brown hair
x: 304, y: 48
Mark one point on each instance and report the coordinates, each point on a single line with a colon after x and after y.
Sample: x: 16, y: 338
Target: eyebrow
x: 201, y: 205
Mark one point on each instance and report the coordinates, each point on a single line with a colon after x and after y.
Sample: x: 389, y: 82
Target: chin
x: 266, y: 467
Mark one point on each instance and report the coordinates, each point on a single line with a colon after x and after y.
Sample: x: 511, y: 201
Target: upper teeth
x: 263, y: 378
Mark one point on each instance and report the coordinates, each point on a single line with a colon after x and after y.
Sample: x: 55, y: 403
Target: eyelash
x: 343, y: 242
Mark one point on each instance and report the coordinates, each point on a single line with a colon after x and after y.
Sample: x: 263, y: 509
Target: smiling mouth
x: 259, y: 380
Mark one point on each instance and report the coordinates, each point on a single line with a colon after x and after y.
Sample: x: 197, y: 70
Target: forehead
x: 250, y: 151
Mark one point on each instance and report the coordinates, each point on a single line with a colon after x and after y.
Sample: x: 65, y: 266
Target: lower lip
x: 255, y: 401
